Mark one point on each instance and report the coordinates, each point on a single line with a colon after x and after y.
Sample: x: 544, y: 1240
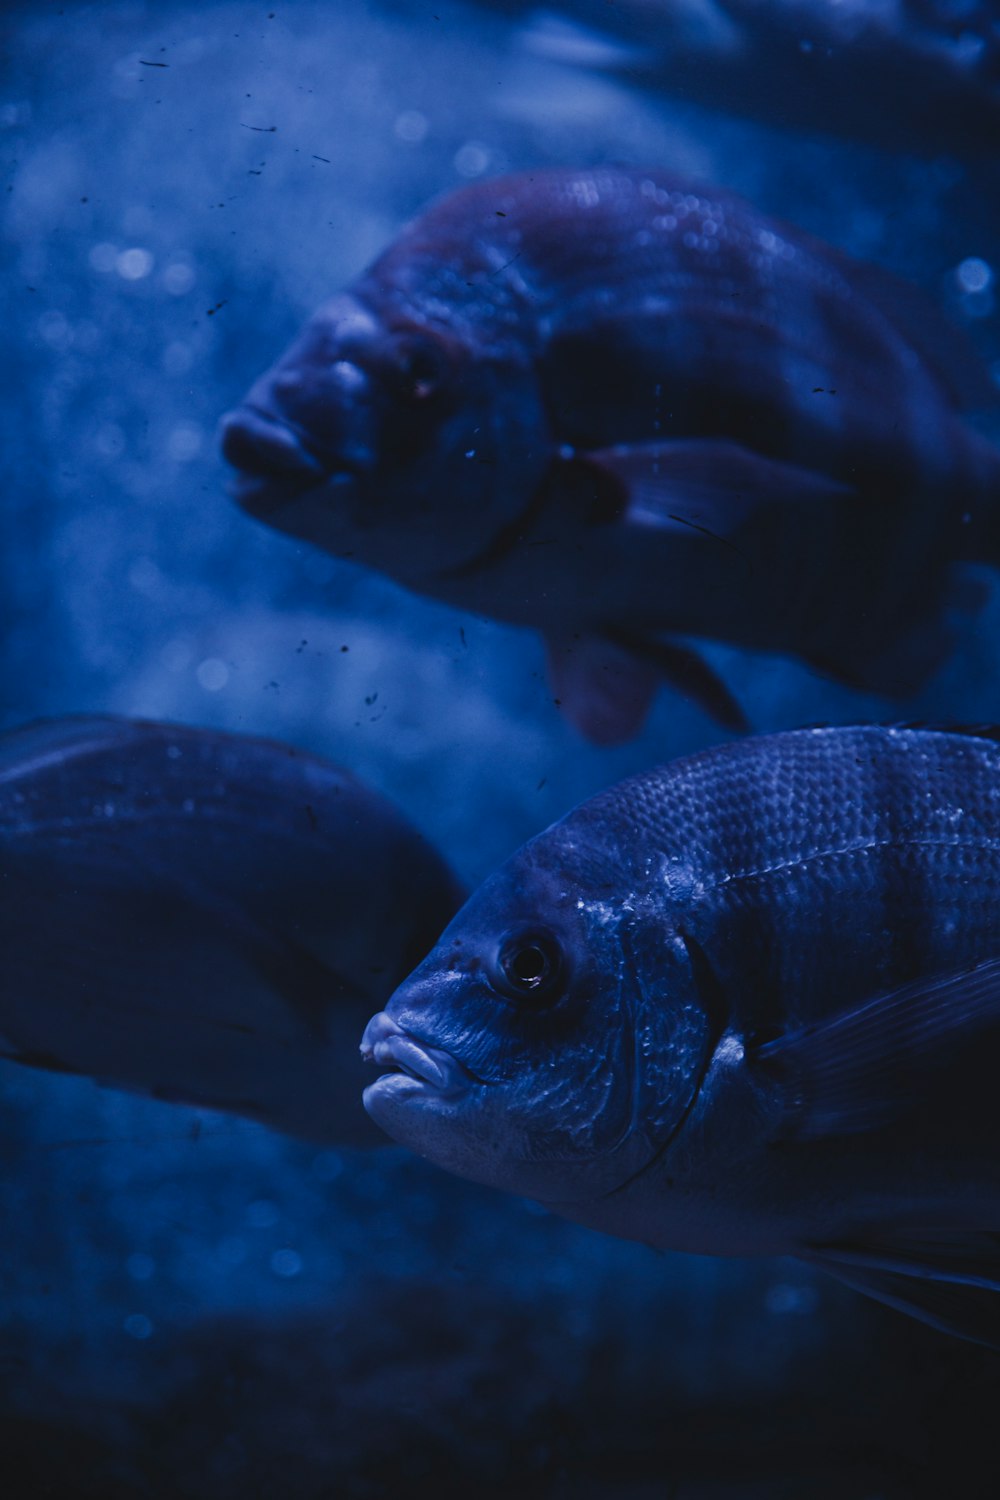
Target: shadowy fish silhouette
x: 617, y: 407
x: 744, y: 1004
x: 918, y: 75
x: 204, y: 917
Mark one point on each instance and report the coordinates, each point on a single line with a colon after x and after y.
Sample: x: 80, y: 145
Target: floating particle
x: 109, y: 440
x: 472, y: 159
x: 974, y: 275
x: 412, y: 126
x: 212, y: 674
x: 134, y: 264
x: 286, y: 1263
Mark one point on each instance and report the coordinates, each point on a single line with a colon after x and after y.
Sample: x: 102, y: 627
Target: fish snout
x: 395, y: 1051
x: 263, y: 447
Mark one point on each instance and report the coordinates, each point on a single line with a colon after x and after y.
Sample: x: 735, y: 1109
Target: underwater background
x: 191, y: 1305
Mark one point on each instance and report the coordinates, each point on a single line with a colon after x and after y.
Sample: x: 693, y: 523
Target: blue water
x: 190, y: 1304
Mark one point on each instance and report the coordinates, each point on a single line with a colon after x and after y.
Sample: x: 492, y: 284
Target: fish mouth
x: 410, y: 1065
x: 274, y: 462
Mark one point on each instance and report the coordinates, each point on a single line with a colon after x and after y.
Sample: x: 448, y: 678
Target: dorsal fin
x: 946, y: 350
x: 928, y: 726
x: 931, y: 726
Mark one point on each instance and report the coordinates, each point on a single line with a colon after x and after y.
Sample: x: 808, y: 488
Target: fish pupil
x: 529, y: 967
x: 421, y: 370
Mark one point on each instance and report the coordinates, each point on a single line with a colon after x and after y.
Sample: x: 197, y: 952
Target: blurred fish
x: 204, y: 917
x: 913, y: 75
x: 744, y: 1004
x: 617, y: 407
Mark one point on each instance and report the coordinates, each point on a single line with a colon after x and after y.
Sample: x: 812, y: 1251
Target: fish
x: 204, y: 917
x: 743, y: 1004
x: 914, y: 75
x: 628, y: 411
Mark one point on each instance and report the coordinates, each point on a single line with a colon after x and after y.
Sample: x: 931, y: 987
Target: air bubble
x: 974, y: 275
x: 286, y: 1263
x: 472, y: 159
x: 134, y: 264
x: 212, y: 674
x: 412, y: 126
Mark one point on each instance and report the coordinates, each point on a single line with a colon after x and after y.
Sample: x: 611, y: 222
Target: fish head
x: 552, y: 1042
x: 389, y: 438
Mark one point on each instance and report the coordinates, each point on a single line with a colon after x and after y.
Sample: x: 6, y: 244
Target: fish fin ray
x: 24, y: 749
x: 927, y: 726
x: 945, y: 349
x: 967, y: 1257
x: 966, y: 1311
x: 602, y: 687
x: 605, y: 682
x: 712, y: 486
x: 869, y: 1066
x: 687, y: 671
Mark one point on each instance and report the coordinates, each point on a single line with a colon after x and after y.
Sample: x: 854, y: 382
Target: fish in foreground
x: 204, y: 917
x: 620, y: 408
x: 744, y: 1004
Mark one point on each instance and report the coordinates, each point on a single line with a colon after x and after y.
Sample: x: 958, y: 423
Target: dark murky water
x: 190, y: 1304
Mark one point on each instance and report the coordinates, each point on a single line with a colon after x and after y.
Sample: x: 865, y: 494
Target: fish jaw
x: 279, y: 481
x: 433, y: 1105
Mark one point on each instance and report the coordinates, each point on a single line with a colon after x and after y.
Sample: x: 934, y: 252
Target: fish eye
x: 529, y: 967
x: 421, y: 368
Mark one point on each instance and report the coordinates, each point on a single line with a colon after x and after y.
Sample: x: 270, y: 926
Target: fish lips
x: 415, y: 1069
x: 274, y: 466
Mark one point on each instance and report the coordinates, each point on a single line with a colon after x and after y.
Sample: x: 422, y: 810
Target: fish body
x: 619, y: 408
x: 204, y: 917
x: 747, y: 1003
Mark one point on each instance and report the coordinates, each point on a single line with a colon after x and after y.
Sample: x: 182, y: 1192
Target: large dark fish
x: 744, y: 1004
x: 918, y: 75
x: 204, y: 917
x: 614, y: 406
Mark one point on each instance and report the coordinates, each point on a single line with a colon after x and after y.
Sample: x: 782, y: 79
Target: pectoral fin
x: 950, y: 1279
x: 870, y: 1066
x: 605, y: 683
x: 712, y: 487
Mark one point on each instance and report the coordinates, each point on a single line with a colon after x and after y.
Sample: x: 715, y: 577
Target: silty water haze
x: 193, y: 1302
